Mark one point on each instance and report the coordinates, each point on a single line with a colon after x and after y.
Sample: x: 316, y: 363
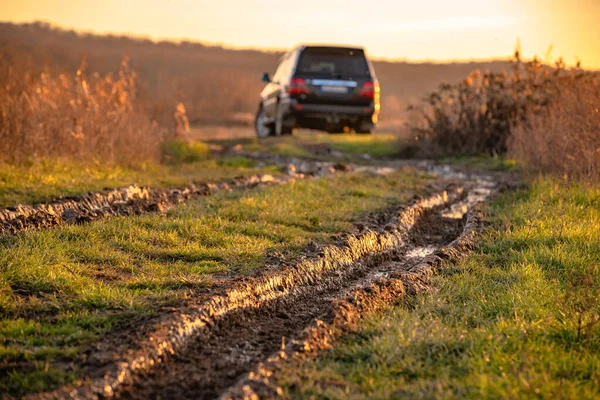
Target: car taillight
x: 369, y: 89
x: 297, y: 86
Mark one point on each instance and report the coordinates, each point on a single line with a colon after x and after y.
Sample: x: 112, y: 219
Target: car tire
x: 262, y: 125
x: 365, y: 128
x: 280, y: 127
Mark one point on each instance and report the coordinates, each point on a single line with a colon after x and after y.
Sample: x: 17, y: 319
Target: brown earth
x: 404, y: 277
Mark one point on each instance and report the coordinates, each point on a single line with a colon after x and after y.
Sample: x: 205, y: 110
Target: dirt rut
x: 402, y: 275
x: 133, y: 199
x: 201, y: 351
x: 217, y: 358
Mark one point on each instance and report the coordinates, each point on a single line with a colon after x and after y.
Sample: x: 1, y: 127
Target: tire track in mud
x: 201, y: 351
x: 216, y: 358
x: 392, y: 282
x: 135, y: 200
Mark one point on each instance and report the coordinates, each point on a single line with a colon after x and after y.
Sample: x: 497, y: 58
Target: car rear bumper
x: 329, y: 111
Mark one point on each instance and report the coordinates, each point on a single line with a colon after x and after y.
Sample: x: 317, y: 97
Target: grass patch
x: 63, y: 288
x: 484, y: 162
x: 517, y: 319
x: 376, y: 145
x: 306, y: 145
x: 178, y: 151
x: 44, y: 180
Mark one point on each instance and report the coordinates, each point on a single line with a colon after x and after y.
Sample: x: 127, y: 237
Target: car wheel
x: 280, y: 127
x: 365, y: 128
x: 263, y: 126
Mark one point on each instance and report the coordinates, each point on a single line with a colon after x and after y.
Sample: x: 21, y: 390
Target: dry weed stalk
x: 564, y: 139
x: 85, y: 117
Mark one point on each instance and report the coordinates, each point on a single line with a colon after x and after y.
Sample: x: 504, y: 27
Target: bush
x: 565, y: 138
x: 479, y: 114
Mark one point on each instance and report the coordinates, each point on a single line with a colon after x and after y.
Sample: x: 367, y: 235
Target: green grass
x: 376, y: 145
x: 485, y: 162
x: 517, y: 319
x: 64, y: 288
x: 44, y: 180
x: 178, y: 152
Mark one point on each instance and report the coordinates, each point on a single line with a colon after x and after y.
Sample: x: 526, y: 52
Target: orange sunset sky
x: 412, y: 30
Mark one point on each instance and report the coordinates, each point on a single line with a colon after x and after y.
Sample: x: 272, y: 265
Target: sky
x: 413, y: 30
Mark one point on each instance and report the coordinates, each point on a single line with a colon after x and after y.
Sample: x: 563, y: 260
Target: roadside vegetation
x: 519, y: 318
x: 64, y: 288
x: 547, y: 117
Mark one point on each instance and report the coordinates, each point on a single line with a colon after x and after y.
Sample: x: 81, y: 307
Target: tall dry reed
x: 85, y: 116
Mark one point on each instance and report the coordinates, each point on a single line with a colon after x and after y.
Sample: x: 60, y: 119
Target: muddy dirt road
x: 216, y: 358
x: 226, y: 345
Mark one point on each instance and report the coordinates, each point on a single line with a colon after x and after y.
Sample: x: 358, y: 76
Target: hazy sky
x: 395, y: 29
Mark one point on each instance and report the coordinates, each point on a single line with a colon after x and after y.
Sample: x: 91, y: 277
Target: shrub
x: 479, y: 114
x: 565, y: 138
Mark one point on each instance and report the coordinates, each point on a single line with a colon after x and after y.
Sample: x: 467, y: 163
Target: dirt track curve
x: 225, y: 346
x: 134, y: 200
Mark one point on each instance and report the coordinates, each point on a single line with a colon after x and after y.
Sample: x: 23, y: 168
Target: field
x: 152, y: 247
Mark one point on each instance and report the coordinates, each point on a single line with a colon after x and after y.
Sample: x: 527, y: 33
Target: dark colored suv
x: 319, y: 87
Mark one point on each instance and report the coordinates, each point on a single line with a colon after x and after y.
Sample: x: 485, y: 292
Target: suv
x: 319, y: 87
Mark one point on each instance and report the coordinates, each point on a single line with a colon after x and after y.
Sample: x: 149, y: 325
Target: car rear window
x: 333, y: 62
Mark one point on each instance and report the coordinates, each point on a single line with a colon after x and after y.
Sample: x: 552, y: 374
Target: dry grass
x: 81, y: 117
x: 565, y: 139
x: 546, y: 117
x: 478, y: 114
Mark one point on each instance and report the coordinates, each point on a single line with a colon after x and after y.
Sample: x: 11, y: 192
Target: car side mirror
x: 266, y: 78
